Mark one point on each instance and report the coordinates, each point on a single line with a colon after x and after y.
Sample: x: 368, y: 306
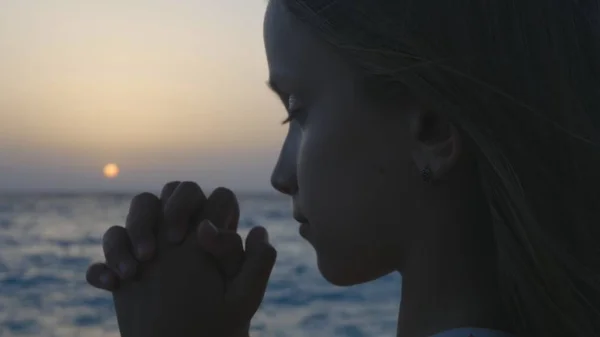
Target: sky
x: 167, y: 90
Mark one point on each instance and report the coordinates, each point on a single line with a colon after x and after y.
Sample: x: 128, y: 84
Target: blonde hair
x: 521, y: 79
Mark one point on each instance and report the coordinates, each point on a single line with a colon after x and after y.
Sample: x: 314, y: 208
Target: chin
x: 343, y: 274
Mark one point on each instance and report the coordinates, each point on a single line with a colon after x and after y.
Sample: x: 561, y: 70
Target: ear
x: 436, y: 142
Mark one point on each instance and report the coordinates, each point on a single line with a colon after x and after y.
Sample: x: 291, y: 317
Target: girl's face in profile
x: 346, y: 161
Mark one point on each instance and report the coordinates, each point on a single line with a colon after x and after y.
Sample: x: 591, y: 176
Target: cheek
x: 350, y: 179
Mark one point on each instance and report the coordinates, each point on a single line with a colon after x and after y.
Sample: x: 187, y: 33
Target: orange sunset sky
x: 165, y: 89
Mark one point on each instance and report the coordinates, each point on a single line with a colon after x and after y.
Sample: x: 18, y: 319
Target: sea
x: 48, y: 240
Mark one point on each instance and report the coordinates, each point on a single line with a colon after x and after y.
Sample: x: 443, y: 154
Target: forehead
x: 292, y: 49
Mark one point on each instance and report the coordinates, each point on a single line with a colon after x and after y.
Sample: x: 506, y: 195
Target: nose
x: 284, y: 178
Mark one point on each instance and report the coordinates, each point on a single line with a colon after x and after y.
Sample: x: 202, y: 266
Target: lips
x: 304, y: 226
x: 299, y: 217
x: 297, y: 213
x: 302, y: 220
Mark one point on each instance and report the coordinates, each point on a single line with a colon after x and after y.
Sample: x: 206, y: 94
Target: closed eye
x: 289, y: 101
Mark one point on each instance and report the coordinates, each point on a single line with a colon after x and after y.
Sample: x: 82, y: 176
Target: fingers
x: 225, y: 246
x: 222, y: 209
x: 257, y: 238
x: 117, y: 251
x: 248, y: 289
x: 102, y: 277
x: 185, y: 202
x: 142, y: 220
x: 167, y: 191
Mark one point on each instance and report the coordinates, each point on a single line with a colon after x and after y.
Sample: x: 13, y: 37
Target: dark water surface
x: 47, y: 242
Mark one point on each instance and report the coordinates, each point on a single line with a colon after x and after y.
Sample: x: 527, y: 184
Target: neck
x: 450, y: 280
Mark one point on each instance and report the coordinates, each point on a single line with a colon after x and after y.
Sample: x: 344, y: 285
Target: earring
x: 426, y: 174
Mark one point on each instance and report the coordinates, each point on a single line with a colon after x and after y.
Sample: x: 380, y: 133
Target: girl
x: 455, y: 142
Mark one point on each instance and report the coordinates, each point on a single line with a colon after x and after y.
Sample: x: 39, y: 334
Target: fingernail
x: 125, y: 268
x: 145, y: 250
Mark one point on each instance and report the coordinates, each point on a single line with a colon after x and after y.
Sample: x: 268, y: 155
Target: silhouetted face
x: 346, y: 161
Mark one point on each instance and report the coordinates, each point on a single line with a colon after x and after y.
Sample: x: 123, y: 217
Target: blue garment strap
x: 473, y: 332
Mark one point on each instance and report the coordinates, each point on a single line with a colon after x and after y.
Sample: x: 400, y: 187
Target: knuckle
x: 92, y: 274
x: 144, y: 198
x: 189, y: 187
x: 143, y: 215
x: 100, y: 276
x: 171, y: 184
x: 168, y: 190
x: 113, y: 232
x: 223, y: 196
x: 141, y: 206
x: 113, y: 237
x: 185, y: 198
x: 224, y: 191
x: 222, y: 206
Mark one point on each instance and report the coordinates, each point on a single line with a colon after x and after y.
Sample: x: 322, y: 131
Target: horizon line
x: 114, y: 192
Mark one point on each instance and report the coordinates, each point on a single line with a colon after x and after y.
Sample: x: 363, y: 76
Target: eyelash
x: 292, y: 113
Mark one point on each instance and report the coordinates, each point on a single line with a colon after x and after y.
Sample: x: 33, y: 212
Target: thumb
x: 247, y: 290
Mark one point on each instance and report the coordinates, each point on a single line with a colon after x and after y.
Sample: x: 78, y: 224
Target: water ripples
x: 47, y: 242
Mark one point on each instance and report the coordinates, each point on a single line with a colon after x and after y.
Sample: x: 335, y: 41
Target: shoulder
x: 473, y: 332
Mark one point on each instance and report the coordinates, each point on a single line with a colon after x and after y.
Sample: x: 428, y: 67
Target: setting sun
x: 111, y: 171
